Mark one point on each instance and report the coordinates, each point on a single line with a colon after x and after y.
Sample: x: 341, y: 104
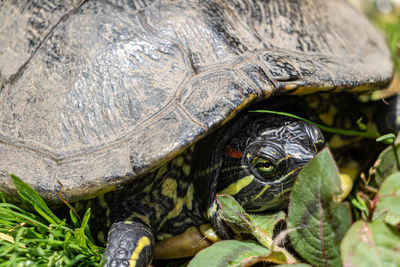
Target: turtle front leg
x: 129, y: 244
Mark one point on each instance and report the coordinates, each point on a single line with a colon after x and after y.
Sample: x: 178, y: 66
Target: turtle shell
x: 97, y: 93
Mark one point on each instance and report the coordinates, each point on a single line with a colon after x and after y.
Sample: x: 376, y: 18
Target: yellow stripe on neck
x: 234, y: 188
x: 143, y: 242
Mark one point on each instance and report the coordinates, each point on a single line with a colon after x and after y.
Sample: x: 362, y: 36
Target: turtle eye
x: 264, y: 167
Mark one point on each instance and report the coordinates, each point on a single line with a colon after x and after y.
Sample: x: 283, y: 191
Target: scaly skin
x: 129, y: 244
x: 265, y: 156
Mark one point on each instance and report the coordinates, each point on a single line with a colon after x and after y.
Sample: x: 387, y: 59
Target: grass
x: 40, y: 238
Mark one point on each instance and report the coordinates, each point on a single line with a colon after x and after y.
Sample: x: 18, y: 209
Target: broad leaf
x: 267, y: 222
x: 260, y: 226
x: 371, y: 244
x: 388, y: 205
x: 241, y: 222
x: 319, y: 222
x: 234, y: 215
x: 294, y: 265
x: 387, y: 164
x: 233, y: 253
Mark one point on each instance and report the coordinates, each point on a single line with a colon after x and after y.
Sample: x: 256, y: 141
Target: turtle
x: 135, y: 105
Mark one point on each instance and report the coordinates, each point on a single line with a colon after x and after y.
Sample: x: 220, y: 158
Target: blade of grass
x: 325, y: 128
x: 28, y: 194
x: 41, y: 238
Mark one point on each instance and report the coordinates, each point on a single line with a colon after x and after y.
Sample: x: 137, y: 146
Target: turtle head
x: 262, y: 162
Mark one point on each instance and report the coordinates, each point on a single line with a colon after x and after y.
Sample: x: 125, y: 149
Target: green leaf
x: 359, y: 203
x: 268, y: 222
x: 86, y: 218
x: 229, y: 253
x: 28, y: 194
x: 238, y: 253
x: 234, y: 215
x: 387, y: 164
x: 261, y: 227
x: 241, y: 222
x: 361, y: 125
x: 74, y: 219
x: 319, y: 222
x: 371, y: 244
x: 387, y: 138
x: 388, y: 205
x: 90, y: 241
x: 294, y: 265
x: 80, y: 237
x: 2, y: 198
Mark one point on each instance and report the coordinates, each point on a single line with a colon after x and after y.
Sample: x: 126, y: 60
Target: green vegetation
x: 320, y: 227
x: 39, y: 237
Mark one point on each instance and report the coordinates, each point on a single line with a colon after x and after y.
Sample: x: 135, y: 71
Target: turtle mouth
x: 274, y: 195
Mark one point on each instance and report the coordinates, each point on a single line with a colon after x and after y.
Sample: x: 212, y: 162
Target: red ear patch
x: 232, y: 152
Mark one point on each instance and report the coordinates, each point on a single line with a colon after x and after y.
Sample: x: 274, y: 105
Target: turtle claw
x: 129, y: 244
